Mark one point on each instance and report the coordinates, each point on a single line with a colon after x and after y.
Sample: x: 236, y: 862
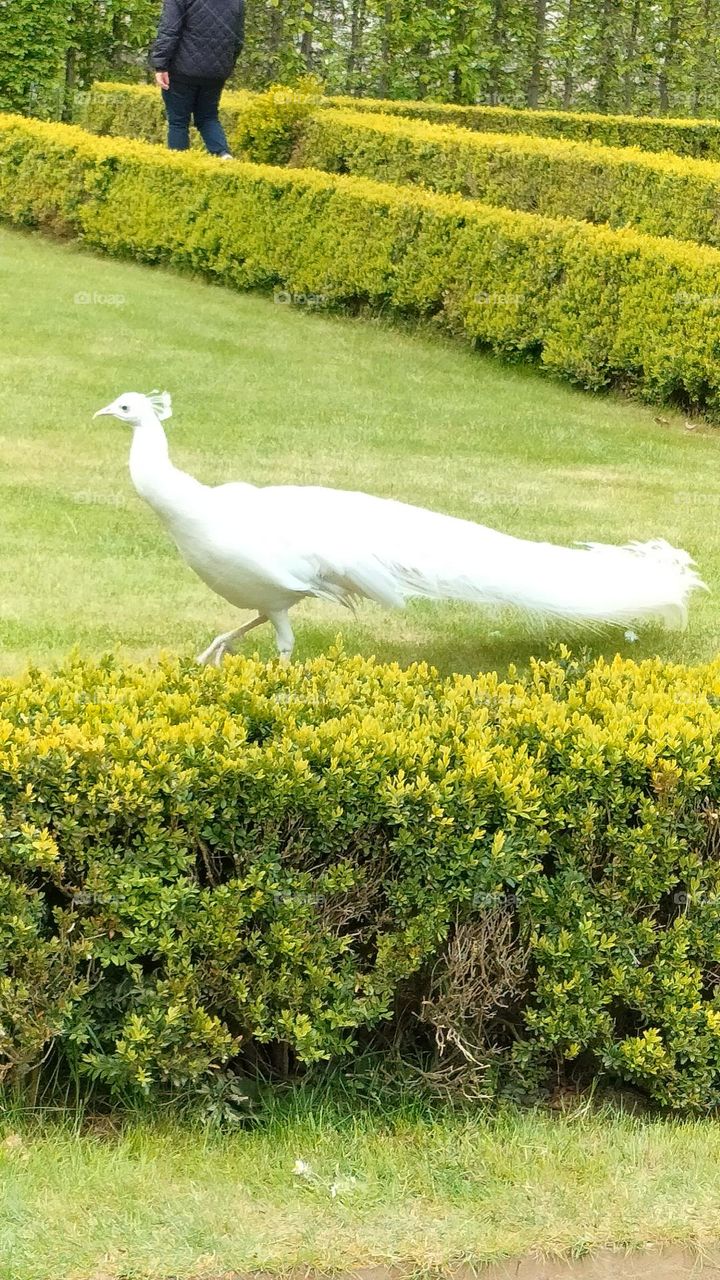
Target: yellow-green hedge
x: 126, y: 111
x: 136, y: 110
x: 593, y: 304
x: 690, y: 137
x: 659, y: 194
x: 197, y: 863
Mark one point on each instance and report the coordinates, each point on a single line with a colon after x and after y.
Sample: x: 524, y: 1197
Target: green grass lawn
x: 273, y: 394
x: 157, y: 1200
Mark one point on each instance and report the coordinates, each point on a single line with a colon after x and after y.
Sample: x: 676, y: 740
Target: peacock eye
x: 124, y: 408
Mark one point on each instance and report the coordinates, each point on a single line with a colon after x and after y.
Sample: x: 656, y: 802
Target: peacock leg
x: 283, y: 634
x: 223, y: 644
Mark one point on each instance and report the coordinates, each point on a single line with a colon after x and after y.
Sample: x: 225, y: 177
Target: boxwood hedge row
x: 196, y: 866
x: 136, y: 110
x: 662, y: 195
x: 690, y: 137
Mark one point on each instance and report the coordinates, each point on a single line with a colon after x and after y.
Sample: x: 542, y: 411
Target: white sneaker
x: 225, y: 156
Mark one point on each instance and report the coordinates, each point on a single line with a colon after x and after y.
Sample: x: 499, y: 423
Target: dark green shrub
x: 130, y: 111
x: 33, y: 37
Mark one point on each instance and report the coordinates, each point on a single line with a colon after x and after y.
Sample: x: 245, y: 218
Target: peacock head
x: 134, y: 408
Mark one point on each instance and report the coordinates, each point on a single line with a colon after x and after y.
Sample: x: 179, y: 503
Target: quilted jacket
x: 199, y: 38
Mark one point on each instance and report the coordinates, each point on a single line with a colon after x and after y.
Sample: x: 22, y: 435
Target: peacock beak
x: 107, y: 412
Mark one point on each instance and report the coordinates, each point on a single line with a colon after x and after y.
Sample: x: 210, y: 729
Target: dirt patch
x: 607, y: 1264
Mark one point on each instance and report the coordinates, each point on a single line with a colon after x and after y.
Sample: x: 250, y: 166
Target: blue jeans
x: 200, y: 102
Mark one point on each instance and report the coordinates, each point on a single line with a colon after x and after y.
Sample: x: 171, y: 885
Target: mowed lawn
x: 272, y: 393
x: 415, y: 1195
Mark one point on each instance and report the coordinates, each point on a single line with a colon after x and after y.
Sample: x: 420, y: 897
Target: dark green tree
x: 639, y: 56
x: 33, y: 38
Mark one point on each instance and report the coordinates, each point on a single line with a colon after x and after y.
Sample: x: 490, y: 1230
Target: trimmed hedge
x: 126, y: 111
x: 593, y: 304
x: 135, y: 111
x: 658, y: 194
x: 691, y: 137
x: 195, y: 864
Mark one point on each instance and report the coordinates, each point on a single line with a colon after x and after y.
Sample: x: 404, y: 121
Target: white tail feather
x: 592, y: 585
x: 389, y: 552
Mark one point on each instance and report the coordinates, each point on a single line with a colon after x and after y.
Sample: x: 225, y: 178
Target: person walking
x: 198, y: 43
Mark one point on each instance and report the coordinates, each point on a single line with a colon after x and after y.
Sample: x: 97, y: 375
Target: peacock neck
x: 172, y: 493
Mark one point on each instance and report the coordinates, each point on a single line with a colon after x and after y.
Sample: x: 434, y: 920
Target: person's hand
x: 162, y: 79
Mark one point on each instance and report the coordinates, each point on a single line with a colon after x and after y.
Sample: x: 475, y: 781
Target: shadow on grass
x: 492, y: 648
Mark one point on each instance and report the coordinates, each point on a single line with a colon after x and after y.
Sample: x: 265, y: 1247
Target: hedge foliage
x: 119, y: 110
x: 126, y: 111
x: 264, y: 126
x: 195, y: 864
x: 623, y: 186
x: 660, y: 57
x: 659, y: 194
x: 594, y: 304
x: 693, y: 138
x: 267, y: 127
x: 33, y: 35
